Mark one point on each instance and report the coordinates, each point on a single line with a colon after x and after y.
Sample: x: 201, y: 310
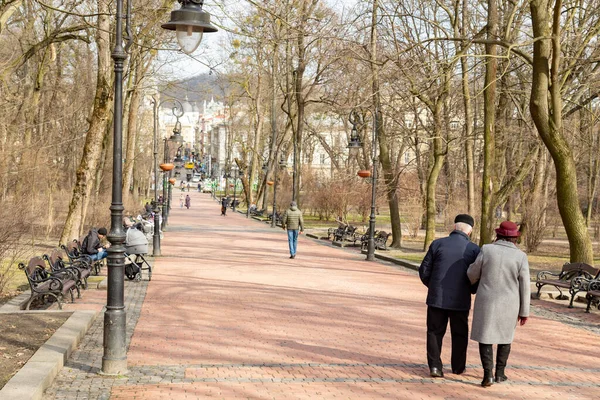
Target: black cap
x: 102, y: 231
x: 465, y: 218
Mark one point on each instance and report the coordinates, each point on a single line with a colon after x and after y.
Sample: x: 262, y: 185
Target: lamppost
x: 166, y: 166
x: 354, y: 145
x: 190, y: 21
x: 165, y: 209
x: 236, y: 174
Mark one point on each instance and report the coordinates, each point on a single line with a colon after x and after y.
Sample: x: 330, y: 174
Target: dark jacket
x: 444, y: 271
x: 91, y: 243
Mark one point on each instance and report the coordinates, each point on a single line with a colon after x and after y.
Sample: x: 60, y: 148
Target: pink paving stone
x: 225, y: 292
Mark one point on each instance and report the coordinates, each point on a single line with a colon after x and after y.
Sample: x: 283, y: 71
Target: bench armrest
x: 51, y: 283
x: 580, y: 284
x: 594, y: 285
x: 546, y: 275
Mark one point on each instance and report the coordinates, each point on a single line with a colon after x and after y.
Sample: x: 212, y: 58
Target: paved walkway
x: 228, y: 315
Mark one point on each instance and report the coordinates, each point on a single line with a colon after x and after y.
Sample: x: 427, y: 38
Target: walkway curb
x: 41, y: 369
x: 397, y: 261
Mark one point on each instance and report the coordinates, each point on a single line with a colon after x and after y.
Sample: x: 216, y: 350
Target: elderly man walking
x: 444, y: 272
x: 293, y: 222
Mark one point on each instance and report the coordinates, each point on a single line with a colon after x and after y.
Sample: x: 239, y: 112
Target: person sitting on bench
x: 92, y: 245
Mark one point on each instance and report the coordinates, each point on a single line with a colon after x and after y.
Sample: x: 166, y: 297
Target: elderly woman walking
x: 502, y: 300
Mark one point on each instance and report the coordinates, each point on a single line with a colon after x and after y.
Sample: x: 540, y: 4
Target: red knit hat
x: 508, y: 229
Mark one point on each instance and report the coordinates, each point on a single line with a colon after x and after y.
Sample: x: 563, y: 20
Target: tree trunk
x: 132, y: 131
x: 548, y: 121
x: 439, y: 154
x: 489, y: 121
x: 93, y: 141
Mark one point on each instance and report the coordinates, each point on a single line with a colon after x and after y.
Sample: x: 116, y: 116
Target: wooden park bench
x: 381, y: 238
x: 334, y: 232
x: 567, y: 279
x: 73, y: 251
x: 81, y: 269
x: 258, y: 213
x: 593, y: 294
x: 278, y: 218
x: 43, y: 284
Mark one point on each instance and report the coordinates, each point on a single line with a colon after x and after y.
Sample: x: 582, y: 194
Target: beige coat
x: 503, y: 294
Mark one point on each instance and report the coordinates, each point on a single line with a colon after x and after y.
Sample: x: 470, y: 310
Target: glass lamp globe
x: 188, y: 37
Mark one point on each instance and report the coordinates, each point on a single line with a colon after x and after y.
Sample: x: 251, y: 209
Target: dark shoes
x: 292, y: 256
x: 436, y: 373
x: 500, y: 378
x: 458, y: 371
x: 488, y: 380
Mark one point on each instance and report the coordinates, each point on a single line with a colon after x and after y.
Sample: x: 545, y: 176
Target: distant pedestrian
x: 199, y: 187
x: 444, y: 272
x: 188, y: 201
x: 188, y: 186
x: 502, y: 300
x: 181, y: 200
x: 293, y: 222
x: 148, y: 208
x: 223, y: 206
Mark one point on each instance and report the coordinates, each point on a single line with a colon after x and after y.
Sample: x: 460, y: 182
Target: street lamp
x: 189, y: 23
x: 236, y: 174
x: 354, y: 145
x: 191, y: 20
x: 177, y: 111
x: 156, y: 237
x: 175, y: 138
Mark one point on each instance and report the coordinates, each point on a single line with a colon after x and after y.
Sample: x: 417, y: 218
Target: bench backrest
x: 72, y: 249
x: 55, y: 260
x: 572, y: 270
x: 36, y: 270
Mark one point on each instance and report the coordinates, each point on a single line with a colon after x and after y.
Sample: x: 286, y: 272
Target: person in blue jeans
x: 293, y: 222
x: 92, y: 245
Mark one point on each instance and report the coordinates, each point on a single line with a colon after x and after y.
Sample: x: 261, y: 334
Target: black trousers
x: 437, y: 322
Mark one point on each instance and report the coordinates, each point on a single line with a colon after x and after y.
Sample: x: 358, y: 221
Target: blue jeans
x: 292, y: 240
x: 99, y: 255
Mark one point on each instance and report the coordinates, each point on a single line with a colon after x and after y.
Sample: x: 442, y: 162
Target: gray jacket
x: 292, y: 219
x: 503, y: 294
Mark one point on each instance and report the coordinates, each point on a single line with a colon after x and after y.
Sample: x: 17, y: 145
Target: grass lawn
x: 550, y: 256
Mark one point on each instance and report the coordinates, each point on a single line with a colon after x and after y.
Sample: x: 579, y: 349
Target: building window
x: 408, y: 123
x: 407, y: 157
x: 322, y: 158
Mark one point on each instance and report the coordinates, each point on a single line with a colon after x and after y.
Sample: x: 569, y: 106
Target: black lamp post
x: 236, y: 175
x: 114, y: 358
x: 165, y: 208
x: 354, y: 145
x: 166, y: 166
x: 193, y: 21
